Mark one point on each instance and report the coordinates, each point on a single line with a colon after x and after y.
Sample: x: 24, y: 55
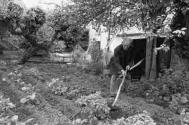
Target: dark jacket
x: 121, y: 59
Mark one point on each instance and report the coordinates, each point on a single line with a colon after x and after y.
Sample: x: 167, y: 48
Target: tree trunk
x: 107, y: 50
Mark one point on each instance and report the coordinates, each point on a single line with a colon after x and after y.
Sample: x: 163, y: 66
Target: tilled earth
x: 53, y: 105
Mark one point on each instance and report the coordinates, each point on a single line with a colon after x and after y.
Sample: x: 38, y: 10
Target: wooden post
x: 153, y: 71
x: 151, y: 58
x: 148, y: 64
x: 187, y: 25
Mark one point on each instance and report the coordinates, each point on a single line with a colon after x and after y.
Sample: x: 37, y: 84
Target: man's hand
x: 123, y: 72
x: 128, y: 67
x: 162, y: 47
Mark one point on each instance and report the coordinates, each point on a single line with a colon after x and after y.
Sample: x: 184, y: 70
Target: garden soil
x: 50, y: 108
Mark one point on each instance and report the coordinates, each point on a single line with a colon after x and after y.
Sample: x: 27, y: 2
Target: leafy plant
x: 169, y: 90
x: 58, y: 87
x: 184, y: 117
x: 5, y: 104
x: 138, y: 119
x: 178, y: 102
x: 5, y: 110
x: 94, y: 105
x: 59, y: 90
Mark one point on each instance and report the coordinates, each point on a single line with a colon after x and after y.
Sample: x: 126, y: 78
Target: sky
x: 41, y: 3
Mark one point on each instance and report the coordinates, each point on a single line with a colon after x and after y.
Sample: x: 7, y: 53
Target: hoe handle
x: 123, y: 80
x: 119, y: 90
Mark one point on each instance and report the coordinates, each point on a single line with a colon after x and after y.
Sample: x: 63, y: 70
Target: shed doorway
x: 153, y: 64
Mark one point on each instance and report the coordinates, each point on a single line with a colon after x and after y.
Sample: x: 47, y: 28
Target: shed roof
x: 140, y: 35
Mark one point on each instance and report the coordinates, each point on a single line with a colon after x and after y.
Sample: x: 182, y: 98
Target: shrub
x: 138, y: 119
x: 94, y: 50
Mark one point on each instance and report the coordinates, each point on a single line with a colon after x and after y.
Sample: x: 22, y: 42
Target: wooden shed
x: 144, y: 44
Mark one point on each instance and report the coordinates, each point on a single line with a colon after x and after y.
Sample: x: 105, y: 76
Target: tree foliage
x: 119, y: 14
x: 3, y: 8
x: 179, y: 33
x: 64, y: 21
x: 10, y: 11
x: 23, y: 24
x: 150, y: 15
x: 27, y: 26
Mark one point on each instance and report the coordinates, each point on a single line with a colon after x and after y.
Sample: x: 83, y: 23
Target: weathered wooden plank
x: 36, y: 59
x: 141, y: 35
x: 47, y: 61
x: 153, y: 71
x: 69, y: 60
x: 187, y: 25
x: 62, y: 54
x: 149, y: 44
x: 58, y: 57
x: 61, y: 57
